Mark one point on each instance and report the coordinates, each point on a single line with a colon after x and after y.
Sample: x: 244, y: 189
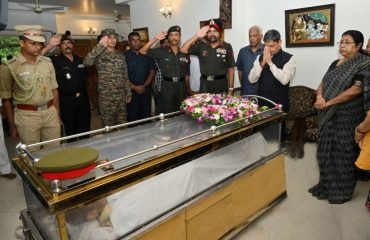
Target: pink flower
x: 219, y: 108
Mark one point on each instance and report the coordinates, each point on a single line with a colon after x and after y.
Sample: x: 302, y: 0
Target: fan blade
x: 53, y: 9
x: 26, y: 6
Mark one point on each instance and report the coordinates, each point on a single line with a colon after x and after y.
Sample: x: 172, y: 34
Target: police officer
x: 113, y: 84
x: 174, y: 67
x: 72, y: 80
x: 29, y: 82
x: 216, y: 59
x: 141, y: 70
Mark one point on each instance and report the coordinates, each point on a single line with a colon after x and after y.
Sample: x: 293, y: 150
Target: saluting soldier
x: 29, y: 82
x: 174, y: 66
x: 216, y: 59
x: 72, y: 80
x: 113, y: 84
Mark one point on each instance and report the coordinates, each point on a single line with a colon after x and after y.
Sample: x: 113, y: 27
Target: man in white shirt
x: 274, y: 70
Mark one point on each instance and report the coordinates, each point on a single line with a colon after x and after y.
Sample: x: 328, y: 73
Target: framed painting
x: 226, y: 13
x: 144, y: 34
x: 309, y: 27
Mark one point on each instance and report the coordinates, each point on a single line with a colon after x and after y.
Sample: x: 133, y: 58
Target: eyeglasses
x: 345, y: 43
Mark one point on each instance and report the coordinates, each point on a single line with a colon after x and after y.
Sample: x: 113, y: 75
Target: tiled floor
x: 299, y: 216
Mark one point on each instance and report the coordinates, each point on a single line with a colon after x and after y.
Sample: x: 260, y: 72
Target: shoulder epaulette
x: 10, y: 61
x: 45, y: 58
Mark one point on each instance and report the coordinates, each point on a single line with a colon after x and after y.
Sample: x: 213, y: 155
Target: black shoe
x: 322, y: 195
x: 9, y: 175
x: 314, y: 188
x: 338, y: 201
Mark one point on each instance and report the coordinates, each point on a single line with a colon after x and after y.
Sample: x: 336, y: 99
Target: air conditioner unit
x: 3, y: 14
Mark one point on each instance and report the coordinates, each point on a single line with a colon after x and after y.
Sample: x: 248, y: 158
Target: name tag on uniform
x: 81, y: 66
x: 24, y: 73
x: 68, y: 76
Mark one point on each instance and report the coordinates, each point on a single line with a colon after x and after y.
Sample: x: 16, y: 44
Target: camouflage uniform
x: 113, y: 84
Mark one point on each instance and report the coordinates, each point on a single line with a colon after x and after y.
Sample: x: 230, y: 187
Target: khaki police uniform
x: 30, y: 87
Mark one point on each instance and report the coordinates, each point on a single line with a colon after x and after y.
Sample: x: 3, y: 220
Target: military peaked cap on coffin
x: 32, y: 32
x: 68, y: 163
x: 215, y: 23
x: 174, y: 29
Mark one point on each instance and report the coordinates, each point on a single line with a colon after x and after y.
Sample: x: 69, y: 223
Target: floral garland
x: 219, y: 109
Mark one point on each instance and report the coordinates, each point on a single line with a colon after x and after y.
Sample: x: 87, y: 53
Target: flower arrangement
x: 218, y: 108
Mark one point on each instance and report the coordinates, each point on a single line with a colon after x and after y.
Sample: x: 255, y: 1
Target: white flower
x: 197, y: 110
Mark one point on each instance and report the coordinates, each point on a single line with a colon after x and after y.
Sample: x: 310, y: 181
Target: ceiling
x: 103, y: 8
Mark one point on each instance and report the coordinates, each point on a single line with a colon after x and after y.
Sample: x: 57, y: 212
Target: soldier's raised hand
x: 203, y: 31
x: 161, y: 35
x: 104, y: 41
x: 55, y: 40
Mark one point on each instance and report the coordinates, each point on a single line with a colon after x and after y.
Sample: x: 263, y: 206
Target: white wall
x: 59, y: 23
x: 312, y: 61
x: 79, y: 25
x: 17, y: 17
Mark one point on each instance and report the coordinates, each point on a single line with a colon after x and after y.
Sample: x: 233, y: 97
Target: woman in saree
x: 339, y: 102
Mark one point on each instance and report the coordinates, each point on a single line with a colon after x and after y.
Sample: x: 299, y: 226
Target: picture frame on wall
x: 144, y: 34
x: 226, y: 13
x: 310, y: 27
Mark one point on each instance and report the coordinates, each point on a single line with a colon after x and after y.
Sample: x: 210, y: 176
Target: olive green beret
x: 67, y: 159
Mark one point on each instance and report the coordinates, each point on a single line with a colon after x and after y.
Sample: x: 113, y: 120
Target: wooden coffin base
x: 225, y: 212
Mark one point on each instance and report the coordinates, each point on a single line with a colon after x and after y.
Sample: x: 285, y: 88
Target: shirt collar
x: 261, y: 47
x: 22, y: 59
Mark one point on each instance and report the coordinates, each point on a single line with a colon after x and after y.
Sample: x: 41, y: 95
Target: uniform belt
x: 76, y: 95
x: 34, y: 107
x: 213, y: 77
x: 174, y: 79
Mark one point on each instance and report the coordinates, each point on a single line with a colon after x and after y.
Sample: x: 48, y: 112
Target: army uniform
x: 113, y: 84
x: 30, y: 86
x: 174, y: 68
x: 214, y: 64
x: 74, y: 101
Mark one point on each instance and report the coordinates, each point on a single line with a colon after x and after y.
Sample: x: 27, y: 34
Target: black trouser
x: 140, y: 105
x: 215, y: 86
x: 173, y: 94
x: 75, y: 113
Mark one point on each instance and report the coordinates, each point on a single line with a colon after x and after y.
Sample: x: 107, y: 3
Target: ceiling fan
x: 38, y: 9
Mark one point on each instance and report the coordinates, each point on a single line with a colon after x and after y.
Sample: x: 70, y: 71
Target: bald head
x: 255, y: 36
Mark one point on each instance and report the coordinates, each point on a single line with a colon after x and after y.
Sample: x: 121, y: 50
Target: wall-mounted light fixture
x: 91, y: 30
x: 166, y: 11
